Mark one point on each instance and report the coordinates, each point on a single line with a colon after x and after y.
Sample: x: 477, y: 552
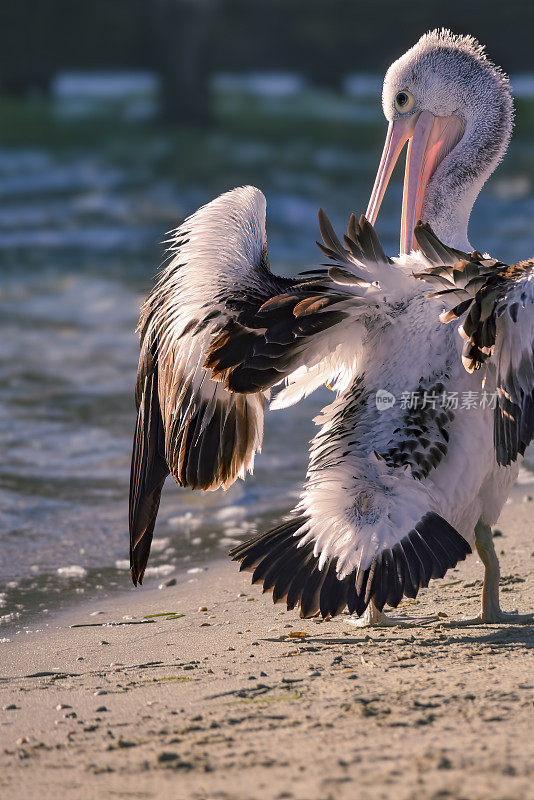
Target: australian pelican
x: 397, y: 494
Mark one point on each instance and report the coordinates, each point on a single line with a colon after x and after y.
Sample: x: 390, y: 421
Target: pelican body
x: 406, y: 472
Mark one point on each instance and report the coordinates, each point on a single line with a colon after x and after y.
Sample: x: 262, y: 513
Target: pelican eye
x: 404, y: 101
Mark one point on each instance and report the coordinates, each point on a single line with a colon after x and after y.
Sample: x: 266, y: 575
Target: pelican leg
x: 373, y: 618
x: 491, y: 612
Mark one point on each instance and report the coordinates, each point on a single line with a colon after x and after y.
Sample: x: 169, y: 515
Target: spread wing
x: 496, y: 303
x: 220, y: 329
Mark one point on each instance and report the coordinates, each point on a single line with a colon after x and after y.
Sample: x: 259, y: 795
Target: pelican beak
x: 430, y: 139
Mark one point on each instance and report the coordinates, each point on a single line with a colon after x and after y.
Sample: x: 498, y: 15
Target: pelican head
x: 454, y: 108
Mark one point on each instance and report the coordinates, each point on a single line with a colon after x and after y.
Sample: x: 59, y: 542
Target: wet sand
x: 243, y: 701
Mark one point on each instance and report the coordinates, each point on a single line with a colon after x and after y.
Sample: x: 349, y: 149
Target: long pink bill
x: 430, y: 140
x: 398, y: 134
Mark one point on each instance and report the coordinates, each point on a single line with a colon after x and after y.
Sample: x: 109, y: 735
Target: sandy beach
x: 230, y: 697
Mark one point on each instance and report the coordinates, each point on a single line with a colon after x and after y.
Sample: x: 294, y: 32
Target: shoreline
x: 34, y: 618
x: 245, y: 700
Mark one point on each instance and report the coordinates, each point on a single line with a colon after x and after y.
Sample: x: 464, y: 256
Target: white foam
x: 9, y: 617
x: 159, y: 544
x: 227, y: 541
x: 231, y: 513
x: 187, y: 521
x: 74, y: 571
x: 163, y: 569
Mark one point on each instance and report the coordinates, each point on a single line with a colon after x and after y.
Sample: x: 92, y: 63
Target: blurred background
x: 117, y: 120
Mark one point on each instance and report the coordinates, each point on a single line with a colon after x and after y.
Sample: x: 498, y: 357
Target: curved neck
x: 456, y: 184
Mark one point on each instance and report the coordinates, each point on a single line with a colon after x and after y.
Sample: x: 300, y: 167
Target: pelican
x: 405, y: 476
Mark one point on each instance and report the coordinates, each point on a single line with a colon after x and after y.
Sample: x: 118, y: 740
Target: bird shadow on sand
x: 506, y: 636
x: 312, y: 640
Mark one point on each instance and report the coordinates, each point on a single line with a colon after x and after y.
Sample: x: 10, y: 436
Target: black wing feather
x: 149, y: 468
x: 277, y: 559
x: 488, y: 292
